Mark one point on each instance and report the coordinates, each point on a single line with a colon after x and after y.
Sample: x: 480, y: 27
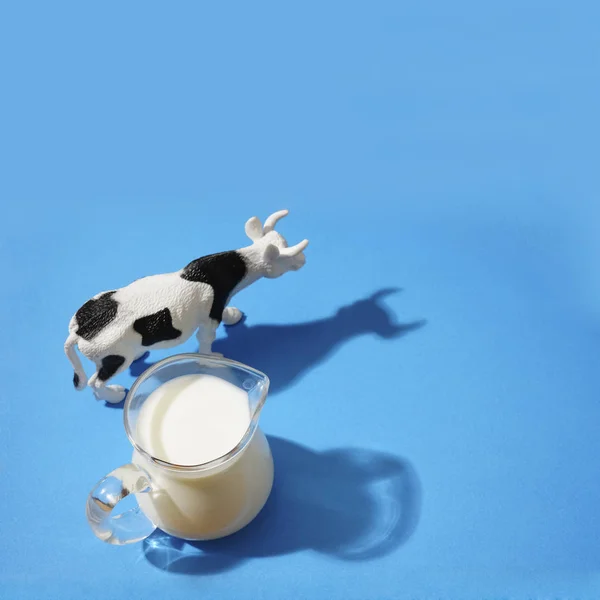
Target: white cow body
x: 147, y: 296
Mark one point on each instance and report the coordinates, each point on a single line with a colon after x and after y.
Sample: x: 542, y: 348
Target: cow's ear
x: 271, y: 253
x: 254, y: 229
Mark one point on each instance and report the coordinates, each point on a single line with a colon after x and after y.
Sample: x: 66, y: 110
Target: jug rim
x: 207, y: 358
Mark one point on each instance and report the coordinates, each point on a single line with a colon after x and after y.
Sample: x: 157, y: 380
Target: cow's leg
x: 206, y: 336
x: 232, y: 315
x: 110, y: 366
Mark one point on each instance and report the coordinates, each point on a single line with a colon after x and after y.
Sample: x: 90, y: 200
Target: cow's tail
x: 80, y: 379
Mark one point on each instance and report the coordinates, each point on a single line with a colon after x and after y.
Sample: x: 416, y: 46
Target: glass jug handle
x: 125, y: 528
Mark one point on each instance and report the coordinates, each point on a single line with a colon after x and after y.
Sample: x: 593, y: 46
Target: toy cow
x: 161, y: 311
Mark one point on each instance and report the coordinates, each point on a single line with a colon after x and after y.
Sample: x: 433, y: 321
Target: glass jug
x: 199, y: 502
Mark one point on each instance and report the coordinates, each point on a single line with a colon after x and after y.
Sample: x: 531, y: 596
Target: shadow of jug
x: 352, y: 504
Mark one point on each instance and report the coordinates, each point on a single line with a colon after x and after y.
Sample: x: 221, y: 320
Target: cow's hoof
x: 113, y: 394
x: 232, y: 315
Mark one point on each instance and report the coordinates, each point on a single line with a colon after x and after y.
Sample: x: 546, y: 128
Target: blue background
x: 441, y: 441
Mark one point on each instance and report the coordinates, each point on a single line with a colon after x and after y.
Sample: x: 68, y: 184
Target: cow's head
x: 270, y: 250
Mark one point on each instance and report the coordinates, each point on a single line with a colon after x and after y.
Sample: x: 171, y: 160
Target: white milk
x: 191, y: 420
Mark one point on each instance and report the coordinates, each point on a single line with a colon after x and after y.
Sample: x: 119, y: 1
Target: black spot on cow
x: 157, y: 327
x: 95, y: 315
x: 110, y: 365
x: 75, y: 380
x: 222, y: 272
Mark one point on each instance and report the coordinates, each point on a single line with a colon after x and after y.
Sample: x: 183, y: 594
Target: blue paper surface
x: 440, y: 441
